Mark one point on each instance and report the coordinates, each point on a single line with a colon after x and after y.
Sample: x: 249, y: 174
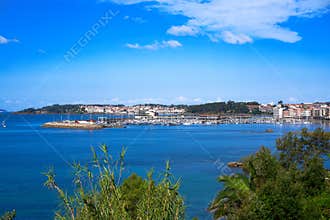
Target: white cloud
x: 183, y: 30
x: 171, y: 43
x: 127, y: 2
x: 232, y: 38
x: 144, y: 100
x: 238, y: 21
x: 218, y: 99
x: 4, y: 40
x: 138, y: 20
x: 197, y: 100
x: 41, y: 51
x: 156, y: 45
x: 115, y: 99
x: 181, y: 99
x: 293, y: 99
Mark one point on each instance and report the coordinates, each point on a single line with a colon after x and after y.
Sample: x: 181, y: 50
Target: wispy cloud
x: 293, y: 99
x: 4, y: 40
x: 41, y: 52
x: 181, y: 99
x: 183, y: 30
x: 198, y: 100
x: 156, y: 45
x: 143, y: 100
x: 138, y: 20
x: 240, y: 21
x: 231, y: 38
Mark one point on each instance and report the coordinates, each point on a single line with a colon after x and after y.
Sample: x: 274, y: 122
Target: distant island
x: 2, y: 111
x: 229, y: 107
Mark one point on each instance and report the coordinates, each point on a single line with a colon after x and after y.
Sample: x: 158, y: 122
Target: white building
x: 278, y: 112
x: 306, y: 113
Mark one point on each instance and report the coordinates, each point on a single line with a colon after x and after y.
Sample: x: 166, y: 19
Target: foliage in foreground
x: 8, y: 215
x: 292, y: 185
x: 99, y: 193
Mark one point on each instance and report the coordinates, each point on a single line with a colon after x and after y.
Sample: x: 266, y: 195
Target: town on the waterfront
x: 120, y: 116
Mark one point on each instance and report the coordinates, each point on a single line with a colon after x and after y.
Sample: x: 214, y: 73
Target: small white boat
x: 4, y: 124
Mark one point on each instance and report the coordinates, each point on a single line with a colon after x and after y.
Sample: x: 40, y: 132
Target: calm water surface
x: 196, y: 154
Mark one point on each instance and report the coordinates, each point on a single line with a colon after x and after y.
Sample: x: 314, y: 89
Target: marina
x: 164, y: 120
x: 113, y: 121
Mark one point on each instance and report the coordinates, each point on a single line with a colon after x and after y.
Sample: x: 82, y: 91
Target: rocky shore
x: 235, y: 164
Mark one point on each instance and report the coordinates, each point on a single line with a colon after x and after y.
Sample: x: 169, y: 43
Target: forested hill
x: 54, y: 109
x: 229, y: 107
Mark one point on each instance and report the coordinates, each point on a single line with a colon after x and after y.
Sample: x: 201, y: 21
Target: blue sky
x: 163, y: 51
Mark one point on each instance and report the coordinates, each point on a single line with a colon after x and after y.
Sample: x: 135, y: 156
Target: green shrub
x: 8, y: 215
x: 291, y: 185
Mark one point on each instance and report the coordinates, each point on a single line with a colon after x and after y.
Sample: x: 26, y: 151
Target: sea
x: 198, y: 154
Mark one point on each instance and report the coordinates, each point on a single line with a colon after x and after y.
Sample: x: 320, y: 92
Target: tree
x: 293, y: 185
x: 299, y: 148
x: 261, y: 167
x: 8, y: 215
x: 236, y: 190
x: 132, y: 188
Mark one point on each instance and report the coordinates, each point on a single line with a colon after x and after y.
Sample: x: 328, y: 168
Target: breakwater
x: 73, y: 125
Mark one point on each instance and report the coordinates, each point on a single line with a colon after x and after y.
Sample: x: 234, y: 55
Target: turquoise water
x: 196, y: 153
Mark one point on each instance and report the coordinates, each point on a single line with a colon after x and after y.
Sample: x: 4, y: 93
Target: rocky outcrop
x: 235, y: 164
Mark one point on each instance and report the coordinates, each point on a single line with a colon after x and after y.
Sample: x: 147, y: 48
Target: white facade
x: 278, y: 112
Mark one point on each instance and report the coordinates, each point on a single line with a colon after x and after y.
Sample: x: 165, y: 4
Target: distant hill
x: 229, y: 107
x: 53, y: 109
